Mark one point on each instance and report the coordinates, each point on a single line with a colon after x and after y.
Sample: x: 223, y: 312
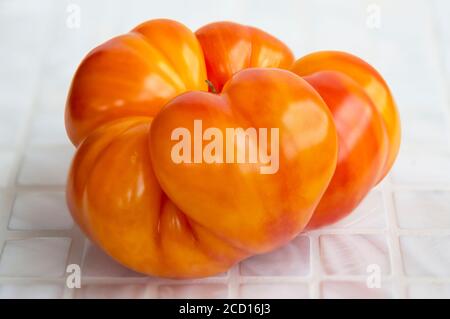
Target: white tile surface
x: 40, y: 210
x: 344, y: 18
x: 427, y: 130
x: 405, y: 218
x: 31, y: 291
x: 441, y: 9
x: 193, y: 291
x: 10, y: 124
x: 116, y: 291
x: 369, y: 214
x: 291, y: 260
x: 7, y: 160
x: 46, y: 166
x: 353, y: 254
x: 48, y: 129
x: 423, y: 209
x: 429, y: 291
x: 422, y: 167
x: 354, y: 290
x: 274, y: 291
x: 426, y: 255
x: 5, y: 205
x: 35, y: 257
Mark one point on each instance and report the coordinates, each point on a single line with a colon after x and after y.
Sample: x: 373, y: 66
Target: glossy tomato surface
x: 324, y: 130
x: 114, y: 196
x: 231, y: 47
x: 368, y: 125
x: 193, y: 220
x: 254, y: 211
x: 362, y: 144
x: 134, y: 74
x: 370, y: 80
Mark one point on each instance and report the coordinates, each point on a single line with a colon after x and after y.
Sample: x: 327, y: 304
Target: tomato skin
x: 115, y: 198
x: 339, y: 134
x: 255, y: 212
x: 356, y: 94
x: 134, y: 74
x: 155, y: 216
x: 362, y: 144
x: 231, y: 47
x: 372, y: 83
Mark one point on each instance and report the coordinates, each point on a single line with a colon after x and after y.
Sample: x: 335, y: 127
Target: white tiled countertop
x: 403, y: 227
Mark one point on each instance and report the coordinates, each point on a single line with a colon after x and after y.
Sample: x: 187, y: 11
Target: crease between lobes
x: 141, y: 228
x: 133, y: 74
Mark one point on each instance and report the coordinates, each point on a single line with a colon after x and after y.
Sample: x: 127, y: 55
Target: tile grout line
x: 234, y: 282
x: 315, y: 266
x: 75, y: 256
x: 215, y: 280
x: 395, y: 251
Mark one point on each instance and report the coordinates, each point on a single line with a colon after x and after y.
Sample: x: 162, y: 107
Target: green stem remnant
x: 211, y: 86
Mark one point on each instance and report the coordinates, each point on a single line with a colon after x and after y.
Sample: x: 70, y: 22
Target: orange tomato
x: 114, y: 196
x: 180, y: 221
x: 195, y: 218
x: 371, y: 82
x: 362, y: 144
x: 254, y: 212
x: 134, y: 74
x: 368, y: 127
x: 191, y: 220
x: 230, y: 47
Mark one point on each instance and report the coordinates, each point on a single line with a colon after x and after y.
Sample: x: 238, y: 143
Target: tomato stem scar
x: 211, y: 86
